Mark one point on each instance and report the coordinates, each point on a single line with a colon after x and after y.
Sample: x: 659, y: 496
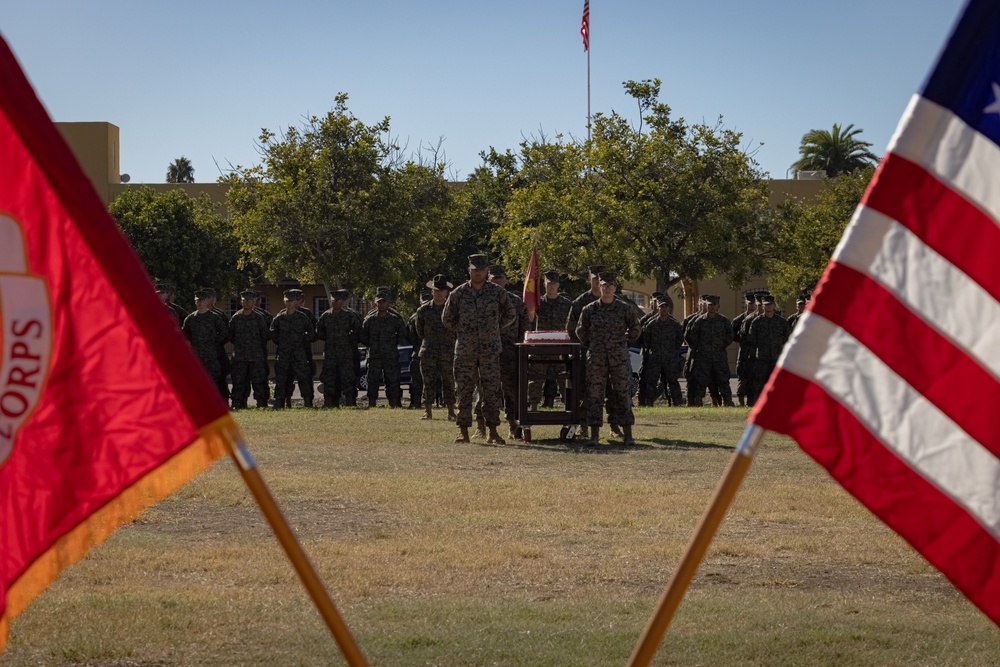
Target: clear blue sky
x: 200, y: 79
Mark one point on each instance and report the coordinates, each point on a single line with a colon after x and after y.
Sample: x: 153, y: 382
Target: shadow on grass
x: 686, y: 445
x: 614, y: 446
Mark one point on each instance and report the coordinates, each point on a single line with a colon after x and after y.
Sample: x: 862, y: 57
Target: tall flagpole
x: 585, y: 33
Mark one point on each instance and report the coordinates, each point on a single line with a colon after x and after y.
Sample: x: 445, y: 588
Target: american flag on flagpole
x: 585, y: 25
x: 892, y: 379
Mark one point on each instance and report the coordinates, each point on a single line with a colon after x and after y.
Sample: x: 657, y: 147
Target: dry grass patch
x: 529, y: 554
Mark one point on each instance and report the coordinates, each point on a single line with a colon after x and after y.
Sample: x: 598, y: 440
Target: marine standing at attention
x: 437, y: 348
x: 606, y: 328
x: 475, y: 311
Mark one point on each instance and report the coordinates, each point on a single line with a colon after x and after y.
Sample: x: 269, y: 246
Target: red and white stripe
x: 585, y: 25
x: 892, y: 378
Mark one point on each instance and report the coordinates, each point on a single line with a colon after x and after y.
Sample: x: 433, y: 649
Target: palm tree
x: 836, y: 152
x: 180, y: 171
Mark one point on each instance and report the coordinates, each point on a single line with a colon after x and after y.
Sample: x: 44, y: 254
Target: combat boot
x: 451, y: 413
x: 371, y: 401
x: 463, y: 434
x: 595, y: 435
x: 514, y: 429
x: 615, y: 429
x: 480, y: 427
x: 495, y: 438
x: 629, y: 441
x: 427, y: 412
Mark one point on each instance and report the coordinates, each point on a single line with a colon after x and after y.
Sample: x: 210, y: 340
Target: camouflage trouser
x: 225, y: 369
x: 744, y: 373
x: 509, y: 381
x: 608, y: 373
x: 416, y: 380
x: 285, y: 370
x: 338, y: 377
x: 538, y: 376
x: 711, y: 370
x: 473, y: 371
x: 762, y: 370
x: 380, y: 367
x: 643, y: 378
x: 438, y: 366
x: 210, y: 362
x: 656, y: 369
x: 249, y: 373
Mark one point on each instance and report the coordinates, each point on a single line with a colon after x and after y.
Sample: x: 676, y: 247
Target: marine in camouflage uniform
x: 767, y: 334
x: 292, y: 331
x: 220, y: 349
x: 661, y: 337
x: 168, y: 295
x: 300, y: 301
x: 800, y: 309
x: 249, y: 334
x: 742, y: 359
x: 606, y: 328
x: 382, y: 332
x: 340, y: 330
x: 553, y: 310
x: 510, y: 336
x: 437, y: 348
x: 573, y: 319
x: 708, y: 338
x: 205, y: 331
x: 750, y: 362
x: 416, y: 376
x: 654, y: 299
x: 476, y: 311
x: 713, y: 385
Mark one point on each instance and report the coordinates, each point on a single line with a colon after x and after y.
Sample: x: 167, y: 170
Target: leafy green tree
x: 809, y: 231
x: 666, y: 199
x: 180, y: 171
x: 553, y: 203
x: 475, y: 207
x: 837, y: 151
x: 332, y: 203
x: 181, y: 238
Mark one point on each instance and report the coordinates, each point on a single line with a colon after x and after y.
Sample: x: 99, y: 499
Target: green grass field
x: 542, y: 554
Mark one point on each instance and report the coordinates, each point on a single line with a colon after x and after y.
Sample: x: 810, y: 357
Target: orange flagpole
x: 296, y: 554
x: 651, y: 637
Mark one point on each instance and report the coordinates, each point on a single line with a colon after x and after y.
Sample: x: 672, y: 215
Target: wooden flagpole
x: 300, y: 561
x: 651, y: 637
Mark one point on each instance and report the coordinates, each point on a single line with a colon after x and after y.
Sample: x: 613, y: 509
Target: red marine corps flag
x: 104, y: 410
x: 532, y: 278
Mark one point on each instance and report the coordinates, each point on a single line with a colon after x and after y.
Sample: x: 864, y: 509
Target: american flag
x: 585, y: 25
x: 891, y: 379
